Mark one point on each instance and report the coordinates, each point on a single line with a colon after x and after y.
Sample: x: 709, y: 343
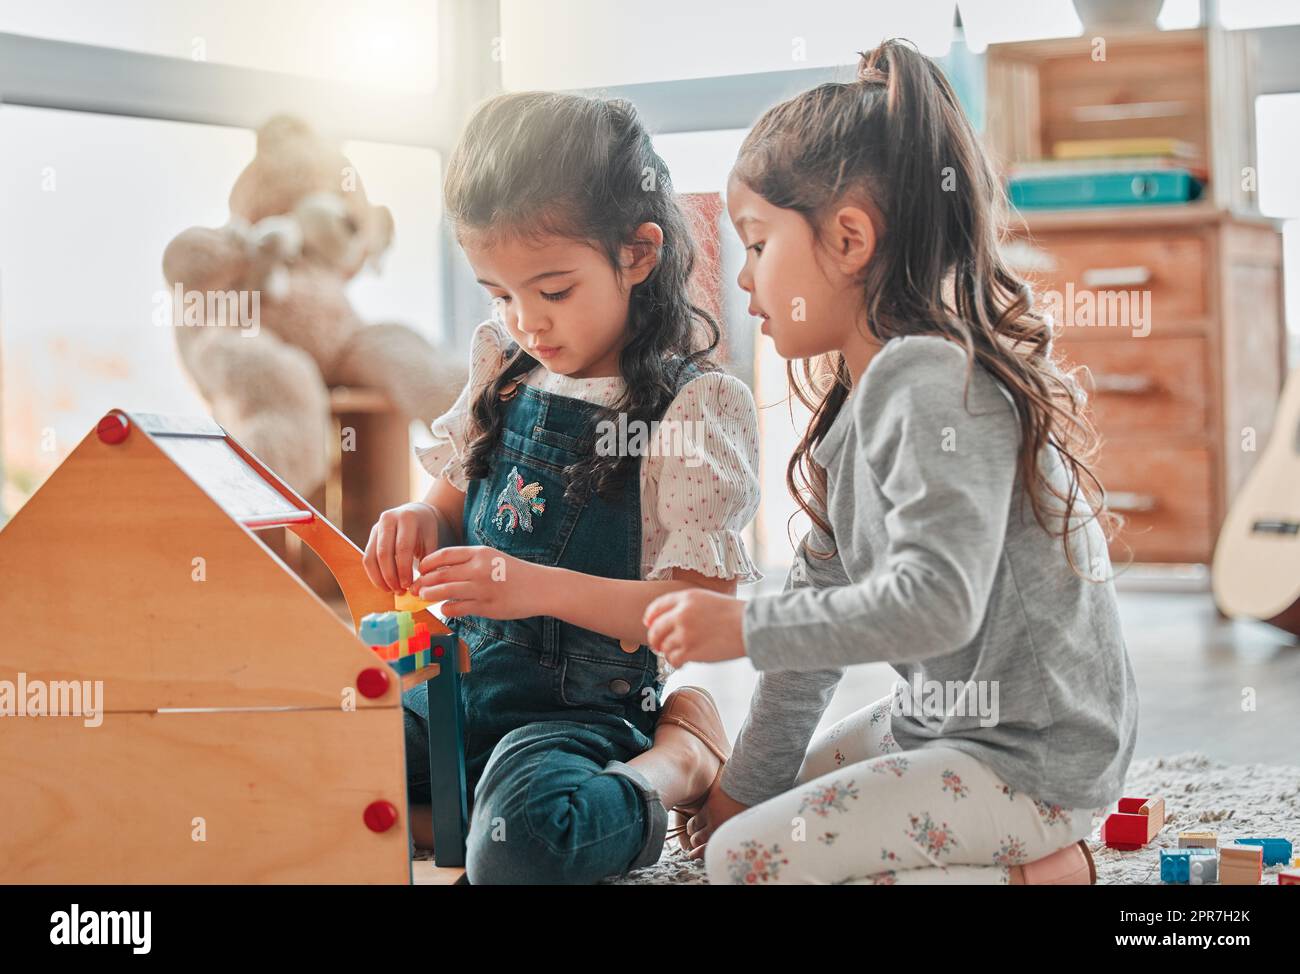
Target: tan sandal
x: 695, y: 709
x: 1070, y: 866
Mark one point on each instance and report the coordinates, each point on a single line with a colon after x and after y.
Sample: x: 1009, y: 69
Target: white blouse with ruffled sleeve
x: 694, y: 502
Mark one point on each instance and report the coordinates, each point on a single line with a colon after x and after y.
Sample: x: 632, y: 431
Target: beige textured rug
x: 1236, y: 801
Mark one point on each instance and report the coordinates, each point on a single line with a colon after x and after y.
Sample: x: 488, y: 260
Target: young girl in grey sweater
x: 957, y: 531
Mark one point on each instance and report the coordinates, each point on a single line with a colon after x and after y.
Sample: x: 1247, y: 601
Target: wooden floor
x: 1191, y: 667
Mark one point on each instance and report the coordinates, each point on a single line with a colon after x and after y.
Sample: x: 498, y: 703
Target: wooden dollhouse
x: 246, y: 735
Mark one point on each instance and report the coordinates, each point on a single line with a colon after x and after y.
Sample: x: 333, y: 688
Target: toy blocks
x: 1276, y: 851
x: 398, y: 640
x: 1135, y: 824
x: 1195, y: 866
x: 1203, y: 868
x: 1197, y: 840
x: 379, y: 628
x: 404, y: 602
x: 1289, y: 877
x: 1241, y: 865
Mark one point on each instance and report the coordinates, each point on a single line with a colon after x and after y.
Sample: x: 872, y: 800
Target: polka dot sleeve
x: 488, y: 346
x: 700, y: 489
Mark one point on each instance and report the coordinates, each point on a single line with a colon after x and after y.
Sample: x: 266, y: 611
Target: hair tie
x: 871, y: 75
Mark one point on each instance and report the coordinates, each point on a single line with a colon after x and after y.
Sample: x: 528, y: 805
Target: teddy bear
x: 261, y: 315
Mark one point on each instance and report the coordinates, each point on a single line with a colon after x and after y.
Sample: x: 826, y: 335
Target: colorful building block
x: 1197, y: 840
x: 1289, y: 877
x: 1203, y: 869
x: 404, y: 602
x: 1175, y: 865
x: 1154, y: 810
x: 378, y: 628
x: 1240, y: 865
x: 1135, y: 824
x: 1194, y: 866
x: 1276, y: 851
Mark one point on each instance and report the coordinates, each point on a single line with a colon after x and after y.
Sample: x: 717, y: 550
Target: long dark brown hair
x: 898, y: 138
x: 533, y: 164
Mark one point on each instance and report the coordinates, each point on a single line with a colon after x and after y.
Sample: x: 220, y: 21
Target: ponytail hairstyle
x: 534, y: 164
x: 897, y: 137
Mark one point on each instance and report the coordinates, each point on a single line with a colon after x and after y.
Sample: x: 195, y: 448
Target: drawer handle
x: 1116, y: 276
x: 1126, y: 502
x: 1123, y: 384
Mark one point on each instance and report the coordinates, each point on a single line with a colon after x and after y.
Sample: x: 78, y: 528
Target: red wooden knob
x: 380, y: 816
x: 113, y: 428
x: 373, y: 682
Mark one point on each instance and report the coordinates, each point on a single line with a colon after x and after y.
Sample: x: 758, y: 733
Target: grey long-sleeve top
x: 942, y: 570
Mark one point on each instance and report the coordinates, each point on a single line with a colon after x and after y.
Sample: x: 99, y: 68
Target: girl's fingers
x: 384, y: 557
x: 454, y: 555
x: 448, y: 590
x: 447, y: 573
x: 370, y: 562
x: 674, y: 650
x: 463, y: 607
x: 404, y: 551
x: 661, y: 629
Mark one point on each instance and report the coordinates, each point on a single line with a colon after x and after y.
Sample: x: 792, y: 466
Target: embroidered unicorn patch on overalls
x: 518, y: 502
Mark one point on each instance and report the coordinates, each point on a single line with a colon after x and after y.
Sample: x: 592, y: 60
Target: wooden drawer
x: 1124, y: 285
x: 1163, y: 492
x: 1140, y: 386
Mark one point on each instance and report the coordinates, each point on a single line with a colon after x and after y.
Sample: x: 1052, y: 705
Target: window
x: 1277, y: 127
x: 91, y: 202
x: 590, y: 43
x: 385, y: 43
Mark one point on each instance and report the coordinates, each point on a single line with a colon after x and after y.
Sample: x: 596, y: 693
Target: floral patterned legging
x: 864, y: 811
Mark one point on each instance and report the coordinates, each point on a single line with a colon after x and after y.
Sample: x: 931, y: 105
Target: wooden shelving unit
x: 1178, y: 395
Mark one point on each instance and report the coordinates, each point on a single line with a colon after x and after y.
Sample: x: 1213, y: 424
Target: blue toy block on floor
x: 1188, y: 865
x: 1276, y: 851
x: 1175, y: 865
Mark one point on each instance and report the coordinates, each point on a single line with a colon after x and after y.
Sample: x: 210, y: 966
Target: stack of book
x: 1109, y: 172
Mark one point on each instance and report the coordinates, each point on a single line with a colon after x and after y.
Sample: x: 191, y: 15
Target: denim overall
x: 552, y: 711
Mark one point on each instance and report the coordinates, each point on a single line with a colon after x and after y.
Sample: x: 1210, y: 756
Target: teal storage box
x: 1104, y: 189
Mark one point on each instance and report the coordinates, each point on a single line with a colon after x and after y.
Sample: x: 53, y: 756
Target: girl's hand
x: 400, y: 536
x: 482, y: 581
x: 695, y: 624
x: 718, y: 807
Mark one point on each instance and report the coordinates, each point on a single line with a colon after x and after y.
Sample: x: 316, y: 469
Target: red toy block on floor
x: 1289, y: 877
x: 1135, y: 824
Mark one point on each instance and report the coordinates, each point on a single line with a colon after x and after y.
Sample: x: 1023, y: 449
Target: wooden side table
x: 370, y: 457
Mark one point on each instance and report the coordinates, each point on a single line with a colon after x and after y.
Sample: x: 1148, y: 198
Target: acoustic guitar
x: 1256, y: 573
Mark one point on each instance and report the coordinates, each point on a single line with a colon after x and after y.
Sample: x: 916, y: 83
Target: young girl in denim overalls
x: 547, y: 530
